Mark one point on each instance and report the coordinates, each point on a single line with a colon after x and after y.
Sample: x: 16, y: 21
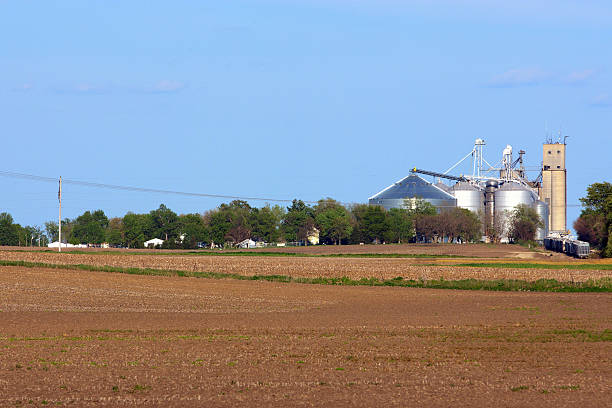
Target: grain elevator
x: 492, y: 191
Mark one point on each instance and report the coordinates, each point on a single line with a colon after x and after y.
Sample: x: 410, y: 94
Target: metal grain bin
x: 507, y: 197
x: 542, y: 209
x: 490, y: 187
x: 412, y: 187
x: 443, y: 186
x: 468, y: 197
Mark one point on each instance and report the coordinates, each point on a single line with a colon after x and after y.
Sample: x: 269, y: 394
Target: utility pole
x: 59, y: 197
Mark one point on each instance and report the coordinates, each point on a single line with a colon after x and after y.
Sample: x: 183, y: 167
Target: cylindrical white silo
x: 507, y: 197
x: 468, y: 197
x: 542, y: 209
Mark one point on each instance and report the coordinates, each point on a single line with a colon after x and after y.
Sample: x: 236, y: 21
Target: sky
x: 290, y: 99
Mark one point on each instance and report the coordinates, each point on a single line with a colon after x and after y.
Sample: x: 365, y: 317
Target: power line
x: 32, y: 177
x: 139, y: 189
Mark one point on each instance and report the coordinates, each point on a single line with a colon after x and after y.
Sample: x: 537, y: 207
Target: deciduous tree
x: 165, y: 223
x: 591, y: 228
x: 265, y: 223
x: 374, y: 223
x: 524, y: 223
x: 298, y: 221
x: 115, y: 232
x: 8, y: 230
x: 52, y: 230
x: 597, y: 209
x: 332, y: 220
x: 90, y: 227
x: 401, y: 226
x: 137, y: 228
x: 194, y: 230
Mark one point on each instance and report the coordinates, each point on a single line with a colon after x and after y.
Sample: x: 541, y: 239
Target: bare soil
x: 354, y: 268
x: 102, y: 339
x: 465, y: 250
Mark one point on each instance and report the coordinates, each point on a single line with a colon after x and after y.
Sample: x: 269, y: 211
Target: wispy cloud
x: 81, y: 88
x: 27, y: 87
x: 578, y: 77
x: 519, y: 77
x: 92, y: 88
x: 534, y: 76
x: 166, y: 85
x: 556, y: 11
x: 602, y: 101
x: 87, y: 88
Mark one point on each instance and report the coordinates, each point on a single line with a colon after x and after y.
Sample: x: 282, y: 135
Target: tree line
x: 595, y: 222
x: 335, y: 223
x: 233, y: 222
x: 16, y: 235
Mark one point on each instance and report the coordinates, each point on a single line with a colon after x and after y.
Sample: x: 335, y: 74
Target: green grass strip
x: 540, y: 285
x: 521, y: 265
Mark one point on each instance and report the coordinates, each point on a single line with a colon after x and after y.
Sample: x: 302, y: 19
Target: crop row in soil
x: 308, y: 267
x: 85, y: 338
x: 416, y: 250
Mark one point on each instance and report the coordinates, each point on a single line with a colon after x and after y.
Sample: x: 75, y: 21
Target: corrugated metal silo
x: 412, y: 187
x: 510, y: 194
x: 542, y: 209
x: 507, y: 197
x: 468, y: 197
x: 443, y: 186
x: 490, y: 187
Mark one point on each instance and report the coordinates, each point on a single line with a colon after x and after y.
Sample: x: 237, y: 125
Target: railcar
x: 571, y: 247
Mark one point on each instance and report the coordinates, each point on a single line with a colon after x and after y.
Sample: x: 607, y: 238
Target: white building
x: 152, y: 243
x: 247, y: 243
x: 65, y: 245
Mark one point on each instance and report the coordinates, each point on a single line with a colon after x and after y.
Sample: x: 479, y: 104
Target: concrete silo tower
x: 554, y: 187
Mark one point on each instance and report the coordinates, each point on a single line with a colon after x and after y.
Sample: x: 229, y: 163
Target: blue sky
x: 293, y: 98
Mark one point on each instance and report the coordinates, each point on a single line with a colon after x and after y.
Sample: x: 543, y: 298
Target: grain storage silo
x: 490, y: 187
x: 554, y: 185
x: 408, y: 190
x: 468, y: 197
x: 507, y: 197
x: 542, y: 209
x: 443, y: 186
x: 511, y: 194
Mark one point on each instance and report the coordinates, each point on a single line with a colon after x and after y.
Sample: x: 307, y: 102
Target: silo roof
x: 443, y: 186
x: 510, y: 186
x: 411, y: 187
x: 463, y: 186
x: 513, y: 186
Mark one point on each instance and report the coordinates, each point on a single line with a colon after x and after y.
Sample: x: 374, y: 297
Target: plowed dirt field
x: 309, y: 267
x: 80, y: 338
x: 466, y: 250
